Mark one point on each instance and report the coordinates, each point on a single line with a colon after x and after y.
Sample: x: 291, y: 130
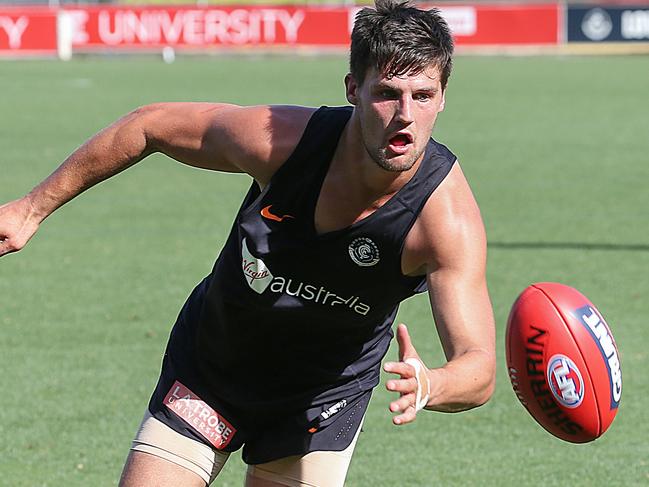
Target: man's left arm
x: 450, y: 243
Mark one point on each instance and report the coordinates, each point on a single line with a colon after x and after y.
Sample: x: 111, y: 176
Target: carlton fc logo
x: 364, y: 251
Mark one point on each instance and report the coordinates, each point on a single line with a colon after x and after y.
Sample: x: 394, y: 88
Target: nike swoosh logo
x: 265, y: 212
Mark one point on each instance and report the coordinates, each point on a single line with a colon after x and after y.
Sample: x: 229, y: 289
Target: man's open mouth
x: 400, y: 142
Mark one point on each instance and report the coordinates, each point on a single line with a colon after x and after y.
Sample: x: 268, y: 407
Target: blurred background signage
x: 64, y: 29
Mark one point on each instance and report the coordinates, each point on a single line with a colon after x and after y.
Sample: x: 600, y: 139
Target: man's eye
x: 422, y: 97
x: 387, y: 94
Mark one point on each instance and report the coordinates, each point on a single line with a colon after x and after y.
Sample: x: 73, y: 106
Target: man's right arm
x: 221, y: 137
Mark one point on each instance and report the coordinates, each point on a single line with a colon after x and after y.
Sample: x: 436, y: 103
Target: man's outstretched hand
x: 413, y: 385
x: 18, y: 223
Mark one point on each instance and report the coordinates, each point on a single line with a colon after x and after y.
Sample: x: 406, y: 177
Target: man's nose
x: 404, y: 111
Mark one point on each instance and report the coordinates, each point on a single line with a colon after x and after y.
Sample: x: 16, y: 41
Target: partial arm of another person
x: 449, y: 242
x: 221, y: 137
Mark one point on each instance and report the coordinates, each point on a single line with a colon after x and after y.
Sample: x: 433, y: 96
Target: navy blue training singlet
x: 289, y: 318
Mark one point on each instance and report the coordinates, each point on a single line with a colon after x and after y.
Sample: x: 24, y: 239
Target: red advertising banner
x: 504, y: 25
x: 208, y: 27
x: 25, y: 31
x: 115, y: 28
x: 223, y: 27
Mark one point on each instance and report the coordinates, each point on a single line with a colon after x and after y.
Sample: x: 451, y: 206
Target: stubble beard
x: 394, y: 164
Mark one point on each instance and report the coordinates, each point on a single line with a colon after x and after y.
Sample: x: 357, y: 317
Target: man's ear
x: 351, y: 88
x: 443, y: 104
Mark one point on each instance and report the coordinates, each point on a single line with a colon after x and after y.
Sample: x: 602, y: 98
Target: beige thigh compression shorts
x: 315, y: 469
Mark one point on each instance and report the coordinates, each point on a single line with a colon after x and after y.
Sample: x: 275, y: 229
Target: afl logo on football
x: 565, y: 381
x: 364, y: 252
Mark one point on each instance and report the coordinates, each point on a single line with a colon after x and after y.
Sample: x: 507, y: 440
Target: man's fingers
x: 5, y: 247
x: 408, y: 385
x: 403, y: 386
x: 17, y: 225
x: 9, y: 245
x: 406, y: 348
x: 401, y: 368
x: 403, y: 403
x: 408, y: 416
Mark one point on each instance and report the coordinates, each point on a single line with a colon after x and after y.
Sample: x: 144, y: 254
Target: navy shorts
x: 265, y: 436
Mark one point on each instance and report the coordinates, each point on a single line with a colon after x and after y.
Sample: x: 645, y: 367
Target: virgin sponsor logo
x: 259, y: 278
x: 257, y: 274
x: 198, y: 414
x: 604, y: 340
x: 565, y: 381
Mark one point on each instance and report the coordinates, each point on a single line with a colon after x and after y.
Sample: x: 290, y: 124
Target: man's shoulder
x: 273, y: 120
x: 452, y: 208
x: 260, y: 138
x: 297, y: 130
x: 450, y: 220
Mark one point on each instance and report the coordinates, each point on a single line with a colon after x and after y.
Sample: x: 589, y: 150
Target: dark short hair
x: 397, y: 38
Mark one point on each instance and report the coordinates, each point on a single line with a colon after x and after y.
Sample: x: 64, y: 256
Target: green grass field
x: 556, y: 150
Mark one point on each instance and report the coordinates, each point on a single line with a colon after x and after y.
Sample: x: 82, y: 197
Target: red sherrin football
x: 563, y: 362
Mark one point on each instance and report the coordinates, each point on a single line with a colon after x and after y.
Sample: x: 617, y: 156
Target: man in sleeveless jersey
x: 378, y: 209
